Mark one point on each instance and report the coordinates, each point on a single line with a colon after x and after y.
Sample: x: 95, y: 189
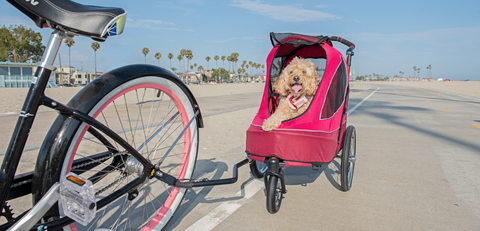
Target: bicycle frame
x: 27, y: 115
x: 34, y: 99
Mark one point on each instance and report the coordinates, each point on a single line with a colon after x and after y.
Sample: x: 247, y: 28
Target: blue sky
x: 390, y: 36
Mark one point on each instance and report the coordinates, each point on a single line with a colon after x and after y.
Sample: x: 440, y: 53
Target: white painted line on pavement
x: 215, y: 217
x: 224, y: 210
x: 358, y: 104
x: 251, y: 189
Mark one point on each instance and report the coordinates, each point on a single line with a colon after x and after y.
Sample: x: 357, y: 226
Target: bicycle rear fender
x: 105, y: 83
x: 57, y: 140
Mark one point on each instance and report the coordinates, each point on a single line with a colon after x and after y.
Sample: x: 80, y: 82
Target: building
x: 20, y: 75
x: 67, y: 76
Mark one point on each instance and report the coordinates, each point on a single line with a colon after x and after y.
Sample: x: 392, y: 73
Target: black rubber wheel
x: 348, y: 158
x: 257, y: 168
x: 274, y: 193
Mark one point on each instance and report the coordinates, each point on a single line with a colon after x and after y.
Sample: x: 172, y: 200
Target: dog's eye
x: 291, y: 72
x: 304, y: 72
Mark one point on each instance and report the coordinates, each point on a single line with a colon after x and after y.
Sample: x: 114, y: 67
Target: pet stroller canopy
x: 316, y: 135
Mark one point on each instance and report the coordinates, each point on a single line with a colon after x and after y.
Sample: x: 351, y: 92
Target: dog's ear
x: 312, y: 78
x: 280, y: 84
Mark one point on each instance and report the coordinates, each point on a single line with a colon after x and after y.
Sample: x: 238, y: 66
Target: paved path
x: 418, y: 168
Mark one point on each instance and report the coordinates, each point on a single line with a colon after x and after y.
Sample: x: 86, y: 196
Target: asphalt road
x: 418, y: 168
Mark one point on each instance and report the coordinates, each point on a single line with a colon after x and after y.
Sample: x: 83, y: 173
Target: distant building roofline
x: 18, y: 64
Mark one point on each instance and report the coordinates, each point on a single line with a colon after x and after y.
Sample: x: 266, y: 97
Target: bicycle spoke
x: 156, y: 125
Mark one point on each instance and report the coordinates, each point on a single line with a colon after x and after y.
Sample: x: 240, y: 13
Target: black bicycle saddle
x: 93, y: 21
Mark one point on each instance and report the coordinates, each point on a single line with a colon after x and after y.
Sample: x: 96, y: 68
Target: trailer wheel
x: 274, y: 193
x: 257, y: 168
x: 348, y: 158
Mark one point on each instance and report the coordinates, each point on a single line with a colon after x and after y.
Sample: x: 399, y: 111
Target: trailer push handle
x: 347, y: 43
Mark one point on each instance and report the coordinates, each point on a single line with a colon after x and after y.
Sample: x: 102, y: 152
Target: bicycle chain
x: 119, y: 178
x: 98, y: 160
x: 74, y: 167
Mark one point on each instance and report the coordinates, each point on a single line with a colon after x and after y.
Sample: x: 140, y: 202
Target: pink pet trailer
x: 318, y: 135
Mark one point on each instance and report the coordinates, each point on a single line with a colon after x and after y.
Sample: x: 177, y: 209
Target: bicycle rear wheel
x: 149, y: 113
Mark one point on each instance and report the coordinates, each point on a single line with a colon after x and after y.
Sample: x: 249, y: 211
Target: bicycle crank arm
x: 170, y: 180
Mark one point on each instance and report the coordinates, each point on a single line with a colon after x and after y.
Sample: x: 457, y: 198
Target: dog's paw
x: 269, y: 125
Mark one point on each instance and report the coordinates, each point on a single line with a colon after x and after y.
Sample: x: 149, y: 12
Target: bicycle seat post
x: 51, y: 50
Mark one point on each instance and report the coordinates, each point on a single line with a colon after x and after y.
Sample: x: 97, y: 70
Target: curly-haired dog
x: 296, y: 86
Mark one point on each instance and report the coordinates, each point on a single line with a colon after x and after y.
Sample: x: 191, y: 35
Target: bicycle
x: 129, y: 138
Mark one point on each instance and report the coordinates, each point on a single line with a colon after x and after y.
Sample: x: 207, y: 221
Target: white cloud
x: 286, y: 13
x: 152, y: 24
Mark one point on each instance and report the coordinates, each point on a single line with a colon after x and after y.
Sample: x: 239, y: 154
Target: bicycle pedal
x: 78, y: 198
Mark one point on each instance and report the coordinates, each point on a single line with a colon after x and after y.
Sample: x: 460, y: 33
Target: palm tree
x: 158, y: 55
x: 174, y: 69
x: 95, y: 47
x: 208, y: 59
x: 180, y: 57
x: 145, y: 52
x: 235, y: 58
x: 414, y: 70
x: 182, y: 53
x: 223, y: 59
x: 170, y: 56
x: 69, y: 42
x: 189, y: 55
x: 216, y: 60
x: 229, y: 59
x: 429, y: 72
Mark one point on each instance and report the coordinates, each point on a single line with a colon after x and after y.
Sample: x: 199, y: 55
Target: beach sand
x: 470, y: 88
x: 11, y: 99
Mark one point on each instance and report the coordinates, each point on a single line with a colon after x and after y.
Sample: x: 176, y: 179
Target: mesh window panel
x: 336, y: 92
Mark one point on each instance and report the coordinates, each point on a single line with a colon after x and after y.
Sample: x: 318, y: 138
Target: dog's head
x: 298, y: 78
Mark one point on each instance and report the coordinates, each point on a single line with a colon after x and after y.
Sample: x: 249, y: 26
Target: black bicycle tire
x: 69, y: 124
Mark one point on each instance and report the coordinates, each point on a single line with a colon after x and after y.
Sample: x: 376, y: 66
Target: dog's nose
x: 296, y: 78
